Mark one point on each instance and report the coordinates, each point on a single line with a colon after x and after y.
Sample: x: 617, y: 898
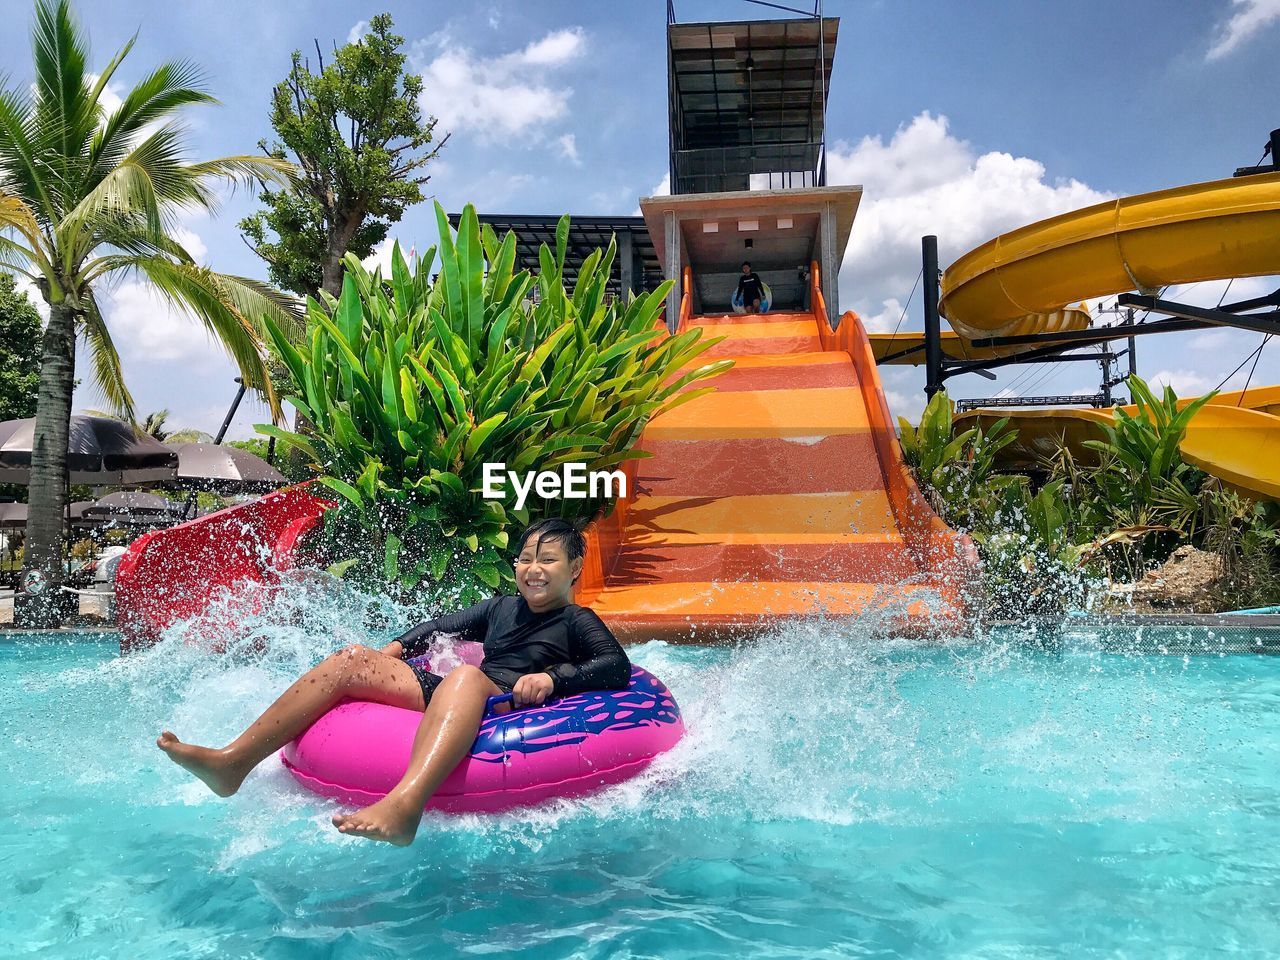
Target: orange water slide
x: 780, y: 495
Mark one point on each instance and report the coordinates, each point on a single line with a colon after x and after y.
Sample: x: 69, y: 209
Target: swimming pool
x: 839, y: 796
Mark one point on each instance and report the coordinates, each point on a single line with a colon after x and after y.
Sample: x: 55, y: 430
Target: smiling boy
x: 537, y: 646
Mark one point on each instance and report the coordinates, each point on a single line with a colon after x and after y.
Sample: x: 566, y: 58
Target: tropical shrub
x: 1246, y: 535
x: 956, y: 471
x: 1031, y: 562
x: 1139, y: 484
x: 412, y: 385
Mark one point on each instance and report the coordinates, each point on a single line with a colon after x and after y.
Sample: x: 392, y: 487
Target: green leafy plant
x: 956, y: 470
x: 1246, y: 535
x: 1139, y: 482
x: 411, y: 386
x: 1032, y: 563
x: 1147, y: 444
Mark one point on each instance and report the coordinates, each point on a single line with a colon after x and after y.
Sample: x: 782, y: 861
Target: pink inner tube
x: 566, y: 748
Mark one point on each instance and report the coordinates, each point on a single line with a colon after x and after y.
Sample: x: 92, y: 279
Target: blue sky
x: 958, y: 119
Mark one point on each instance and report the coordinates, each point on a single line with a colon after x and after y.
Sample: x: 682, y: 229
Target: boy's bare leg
x: 358, y: 672
x: 445, y: 735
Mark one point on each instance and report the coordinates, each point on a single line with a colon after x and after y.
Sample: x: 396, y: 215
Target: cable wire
x: 902, y: 316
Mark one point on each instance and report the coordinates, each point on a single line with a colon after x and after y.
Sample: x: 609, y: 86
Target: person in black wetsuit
x: 537, y: 646
x: 751, y: 289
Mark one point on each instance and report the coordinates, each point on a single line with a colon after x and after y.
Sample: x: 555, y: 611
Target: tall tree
x: 357, y: 131
x: 86, y: 194
x: 19, y: 352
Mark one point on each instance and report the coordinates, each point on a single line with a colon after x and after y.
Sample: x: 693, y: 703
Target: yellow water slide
x: 1016, y: 283
x: 1020, y: 282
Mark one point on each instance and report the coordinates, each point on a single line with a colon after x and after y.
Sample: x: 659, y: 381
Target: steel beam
x: 1268, y: 323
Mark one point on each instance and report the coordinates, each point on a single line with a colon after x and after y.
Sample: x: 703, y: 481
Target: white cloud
x: 1249, y: 18
x: 147, y: 329
x: 380, y: 258
x: 109, y: 98
x: 556, y: 48
x: 927, y: 181
x: 1185, y: 383
x: 887, y: 320
x: 358, y: 31
x: 509, y: 94
x: 191, y: 242
x: 568, y: 145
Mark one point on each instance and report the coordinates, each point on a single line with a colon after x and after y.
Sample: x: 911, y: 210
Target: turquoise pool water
x: 838, y: 796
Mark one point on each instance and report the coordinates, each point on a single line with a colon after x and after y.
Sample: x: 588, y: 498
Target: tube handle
x: 498, y: 701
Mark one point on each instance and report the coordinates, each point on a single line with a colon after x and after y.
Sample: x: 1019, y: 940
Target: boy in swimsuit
x: 537, y: 646
x: 750, y: 288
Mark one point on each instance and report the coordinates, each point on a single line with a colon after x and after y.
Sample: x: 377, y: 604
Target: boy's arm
x: 599, y: 662
x: 470, y: 624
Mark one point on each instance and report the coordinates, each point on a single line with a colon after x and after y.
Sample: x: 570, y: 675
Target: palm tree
x: 86, y: 194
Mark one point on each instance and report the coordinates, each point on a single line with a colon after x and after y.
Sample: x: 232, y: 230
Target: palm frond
x: 108, y: 374
x: 132, y: 244
x: 166, y: 89
x: 66, y: 114
x: 247, y: 169
x: 23, y: 165
x: 230, y: 309
x: 16, y: 215
x: 127, y: 191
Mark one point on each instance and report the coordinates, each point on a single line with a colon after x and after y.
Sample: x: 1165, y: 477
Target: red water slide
x: 175, y: 574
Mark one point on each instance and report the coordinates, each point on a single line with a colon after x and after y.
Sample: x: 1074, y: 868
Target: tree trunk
x: 37, y: 600
x: 339, y: 239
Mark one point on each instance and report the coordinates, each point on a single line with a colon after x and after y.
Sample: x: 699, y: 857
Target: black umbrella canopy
x: 100, y: 451
x: 225, y: 467
x: 15, y: 514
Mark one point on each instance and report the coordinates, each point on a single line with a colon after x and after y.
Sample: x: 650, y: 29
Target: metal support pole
x: 1133, y: 346
x: 627, y: 286
x: 932, y: 322
x: 1107, y: 359
x: 235, y: 405
x: 222, y: 432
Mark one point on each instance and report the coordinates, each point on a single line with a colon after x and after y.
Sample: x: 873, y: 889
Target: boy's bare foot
x: 390, y: 820
x: 211, y: 766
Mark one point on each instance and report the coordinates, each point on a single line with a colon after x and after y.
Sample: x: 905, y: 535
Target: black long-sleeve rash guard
x: 751, y: 288
x: 571, y: 644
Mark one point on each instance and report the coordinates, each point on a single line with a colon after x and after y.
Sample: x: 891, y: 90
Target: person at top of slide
x: 538, y: 645
x: 750, y: 288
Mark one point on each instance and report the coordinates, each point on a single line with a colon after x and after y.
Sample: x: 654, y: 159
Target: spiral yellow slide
x: 1020, y: 282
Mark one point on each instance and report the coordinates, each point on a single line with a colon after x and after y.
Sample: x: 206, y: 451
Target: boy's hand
x: 532, y: 689
x: 394, y: 649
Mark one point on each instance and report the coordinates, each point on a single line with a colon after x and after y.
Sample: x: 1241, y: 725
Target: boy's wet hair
x: 746, y: 263
x: 553, y: 530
